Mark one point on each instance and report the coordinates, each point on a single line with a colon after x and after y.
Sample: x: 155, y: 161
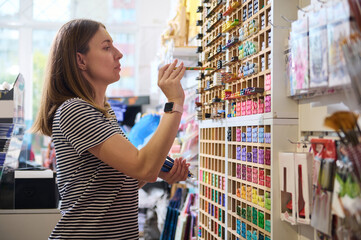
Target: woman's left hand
x: 179, y: 172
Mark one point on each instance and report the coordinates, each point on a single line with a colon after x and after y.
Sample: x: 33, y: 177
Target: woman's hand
x: 169, y: 82
x: 179, y: 172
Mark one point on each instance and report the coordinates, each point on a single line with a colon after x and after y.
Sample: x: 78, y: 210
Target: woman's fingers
x: 169, y: 81
x: 181, y: 74
x: 176, y: 72
x: 162, y: 70
x: 170, y: 69
x: 185, y: 170
x: 179, y: 171
x: 174, y: 169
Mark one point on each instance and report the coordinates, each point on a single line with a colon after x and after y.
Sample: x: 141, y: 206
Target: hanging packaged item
x: 318, y: 48
x: 287, y: 187
x: 300, y: 56
x: 303, y: 173
x: 346, y: 201
x: 323, y: 178
x: 295, y: 185
x: 339, y: 27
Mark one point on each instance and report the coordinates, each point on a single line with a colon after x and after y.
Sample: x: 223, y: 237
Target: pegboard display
x: 241, y: 29
x: 243, y: 77
x: 242, y: 127
x: 212, y: 56
x: 250, y: 60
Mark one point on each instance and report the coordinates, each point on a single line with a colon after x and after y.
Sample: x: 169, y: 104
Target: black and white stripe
x: 98, y: 202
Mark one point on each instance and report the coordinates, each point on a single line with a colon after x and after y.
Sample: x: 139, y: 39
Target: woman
x: 98, y: 170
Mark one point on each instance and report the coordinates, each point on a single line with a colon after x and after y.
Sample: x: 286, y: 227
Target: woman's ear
x: 80, y: 61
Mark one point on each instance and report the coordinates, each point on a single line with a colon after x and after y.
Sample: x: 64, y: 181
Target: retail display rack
x: 12, y: 127
x: 245, y: 118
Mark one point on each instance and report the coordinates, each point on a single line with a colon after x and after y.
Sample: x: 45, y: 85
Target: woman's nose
x: 118, y: 54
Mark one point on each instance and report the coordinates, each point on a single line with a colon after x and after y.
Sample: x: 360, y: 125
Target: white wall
x: 152, y: 21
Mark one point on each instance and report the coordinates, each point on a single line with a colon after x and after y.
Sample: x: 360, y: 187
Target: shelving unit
x: 12, y: 125
x: 239, y: 149
x: 12, y: 129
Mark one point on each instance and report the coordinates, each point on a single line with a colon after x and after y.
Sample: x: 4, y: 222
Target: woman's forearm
x: 156, y: 150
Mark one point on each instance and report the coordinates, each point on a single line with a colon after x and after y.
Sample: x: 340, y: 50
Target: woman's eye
x: 107, y: 48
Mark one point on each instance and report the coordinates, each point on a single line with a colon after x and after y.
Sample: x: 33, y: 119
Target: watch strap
x: 177, y: 108
x: 173, y: 107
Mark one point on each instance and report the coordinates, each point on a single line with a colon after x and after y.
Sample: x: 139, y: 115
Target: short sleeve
x: 83, y: 125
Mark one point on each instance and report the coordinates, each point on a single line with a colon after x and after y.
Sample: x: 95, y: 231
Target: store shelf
x: 250, y: 144
x: 211, y: 141
x: 249, y: 203
x: 185, y: 52
x: 211, y: 171
x: 210, y: 186
x: 251, y: 164
x: 214, y: 203
x: 250, y: 183
x: 235, y: 233
x: 212, y: 156
x: 250, y: 224
x: 213, y: 235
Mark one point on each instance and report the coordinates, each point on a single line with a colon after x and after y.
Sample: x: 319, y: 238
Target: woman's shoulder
x: 74, y: 103
x: 80, y: 107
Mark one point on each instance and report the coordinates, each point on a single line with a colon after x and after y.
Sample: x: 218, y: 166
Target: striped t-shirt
x: 98, y: 202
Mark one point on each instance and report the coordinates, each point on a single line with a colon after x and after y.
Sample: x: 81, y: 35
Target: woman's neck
x: 99, y: 96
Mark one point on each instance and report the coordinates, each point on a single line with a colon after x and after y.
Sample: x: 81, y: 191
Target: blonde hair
x: 62, y: 78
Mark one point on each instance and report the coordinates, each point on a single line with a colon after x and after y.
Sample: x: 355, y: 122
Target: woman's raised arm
x: 146, y: 163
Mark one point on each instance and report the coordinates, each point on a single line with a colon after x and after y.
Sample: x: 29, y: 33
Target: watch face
x: 168, y: 107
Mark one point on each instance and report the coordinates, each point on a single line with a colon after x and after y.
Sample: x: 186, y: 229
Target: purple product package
x: 249, y: 157
x: 255, y: 155
x: 261, y: 156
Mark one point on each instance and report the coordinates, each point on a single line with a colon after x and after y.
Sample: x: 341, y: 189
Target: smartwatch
x: 170, y: 107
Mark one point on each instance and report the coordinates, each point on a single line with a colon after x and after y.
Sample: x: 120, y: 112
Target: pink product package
x: 255, y: 106
x: 239, y: 109
x: 249, y: 174
x: 267, y: 103
x: 249, y: 107
x: 243, y: 109
x: 260, y: 105
x: 239, y: 170
x: 238, y: 134
x: 267, y: 157
x: 267, y: 84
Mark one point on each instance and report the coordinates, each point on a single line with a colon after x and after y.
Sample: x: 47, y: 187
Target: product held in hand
x: 168, y: 164
x: 198, y: 68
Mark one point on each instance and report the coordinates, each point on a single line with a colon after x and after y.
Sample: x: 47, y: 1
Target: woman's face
x: 101, y: 62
